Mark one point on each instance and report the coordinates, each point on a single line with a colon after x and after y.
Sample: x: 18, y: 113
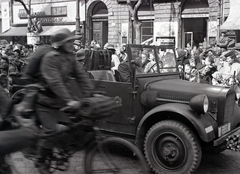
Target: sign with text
x: 42, y: 1
x: 167, y: 29
x: 195, y: 15
x: 50, y: 12
x: 165, y: 41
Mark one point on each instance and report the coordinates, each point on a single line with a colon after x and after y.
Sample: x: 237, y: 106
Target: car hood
x: 181, y: 90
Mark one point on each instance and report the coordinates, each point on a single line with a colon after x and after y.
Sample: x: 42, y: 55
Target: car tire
x: 171, y: 147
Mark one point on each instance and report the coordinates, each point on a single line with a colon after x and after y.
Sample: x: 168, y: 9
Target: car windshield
x: 153, y: 59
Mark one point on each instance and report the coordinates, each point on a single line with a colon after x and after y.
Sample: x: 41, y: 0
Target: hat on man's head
x: 230, y: 54
x: 61, y: 36
x: 80, y: 54
x: 16, y: 48
x: 110, y: 47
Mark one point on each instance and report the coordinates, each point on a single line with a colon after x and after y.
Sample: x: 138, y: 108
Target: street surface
x: 223, y: 163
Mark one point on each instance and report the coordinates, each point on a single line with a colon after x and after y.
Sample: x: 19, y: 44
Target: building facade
x: 0, y: 18
x: 181, y: 21
x: 178, y: 21
x: 52, y: 14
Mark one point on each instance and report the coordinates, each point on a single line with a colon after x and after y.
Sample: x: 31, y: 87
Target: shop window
x: 62, y: 10
x: 146, y: 32
x: 146, y: 16
x: 23, y: 14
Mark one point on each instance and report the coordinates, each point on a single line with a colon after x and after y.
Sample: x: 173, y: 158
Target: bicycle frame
x: 28, y: 133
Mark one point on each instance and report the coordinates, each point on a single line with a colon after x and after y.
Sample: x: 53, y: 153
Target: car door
x: 124, y: 119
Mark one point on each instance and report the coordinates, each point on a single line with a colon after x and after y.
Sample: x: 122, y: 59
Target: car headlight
x: 199, y: 103
x: 237, y: 96
x: 237, y: 91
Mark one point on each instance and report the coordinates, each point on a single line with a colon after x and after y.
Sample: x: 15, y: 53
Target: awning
x: 195, y: 13
x: 15, y: 31
x: 51, y: 29
x: 47, y: 30
x: 232, y: 22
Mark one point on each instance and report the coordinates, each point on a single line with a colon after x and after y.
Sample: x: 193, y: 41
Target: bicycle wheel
x: 115, y: 155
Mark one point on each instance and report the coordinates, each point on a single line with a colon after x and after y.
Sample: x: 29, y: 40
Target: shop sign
x: 24, y: 15
x: 165, y: 41
x: 195, y: 15
x: 40, y: 1
x: 51, y: 20
x: 32, y: 38
x: 40, y: 14
x: 212, y: 28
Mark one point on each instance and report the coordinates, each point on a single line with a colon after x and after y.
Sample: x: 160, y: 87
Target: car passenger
x: 124, y: 70
x: 150, y: 64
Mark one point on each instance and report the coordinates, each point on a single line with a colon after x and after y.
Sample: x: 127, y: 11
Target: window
x: 147, y: 31
x: 22, y: 13
x: 62, y: 10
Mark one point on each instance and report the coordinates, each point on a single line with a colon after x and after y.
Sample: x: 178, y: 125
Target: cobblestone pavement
x: 223, y: 163
x: 25, y: 166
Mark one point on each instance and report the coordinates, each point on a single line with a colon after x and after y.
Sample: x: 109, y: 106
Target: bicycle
x: 99, y: 148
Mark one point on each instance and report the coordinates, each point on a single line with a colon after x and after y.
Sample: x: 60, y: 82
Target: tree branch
x: 24, y: 5
x: 134, y: 11
x: 136, y: 8
x: 130, y: 7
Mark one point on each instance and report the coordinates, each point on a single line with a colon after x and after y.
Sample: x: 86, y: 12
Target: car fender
x: 204, y: 124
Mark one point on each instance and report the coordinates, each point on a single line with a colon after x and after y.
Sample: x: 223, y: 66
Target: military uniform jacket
x: 57, y: 69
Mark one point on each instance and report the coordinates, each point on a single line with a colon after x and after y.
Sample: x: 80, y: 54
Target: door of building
x: 188, y: 38
x: 100, y: 32
x: 195, y: 30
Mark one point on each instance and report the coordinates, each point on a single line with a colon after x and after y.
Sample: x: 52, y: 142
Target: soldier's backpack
x: 32, y: 71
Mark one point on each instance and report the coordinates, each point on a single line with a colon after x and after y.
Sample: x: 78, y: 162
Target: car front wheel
x: 171, y: 147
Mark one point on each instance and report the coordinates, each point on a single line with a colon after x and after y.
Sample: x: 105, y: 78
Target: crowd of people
x: 13, y: 59
x: 217, y: 64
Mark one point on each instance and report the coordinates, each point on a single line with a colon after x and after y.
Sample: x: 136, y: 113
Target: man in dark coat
x: 125, y: 71
x: 57, y: 69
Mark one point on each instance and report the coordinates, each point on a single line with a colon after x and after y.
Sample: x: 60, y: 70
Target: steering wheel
x: 151, y: 69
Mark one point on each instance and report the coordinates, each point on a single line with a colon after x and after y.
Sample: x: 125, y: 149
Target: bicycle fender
x: 204, y: 124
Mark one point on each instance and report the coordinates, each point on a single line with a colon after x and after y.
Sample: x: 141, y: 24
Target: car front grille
x: 225, y: 113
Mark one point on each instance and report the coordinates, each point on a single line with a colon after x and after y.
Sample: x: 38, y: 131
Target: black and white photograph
x: 119, y: 87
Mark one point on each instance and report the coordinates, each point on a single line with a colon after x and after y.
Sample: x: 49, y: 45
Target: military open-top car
x: 171, y: 120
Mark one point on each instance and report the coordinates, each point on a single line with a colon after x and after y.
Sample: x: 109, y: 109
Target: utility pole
x: 29, y: 15
x: 78, y: 29
x: 219, y: 18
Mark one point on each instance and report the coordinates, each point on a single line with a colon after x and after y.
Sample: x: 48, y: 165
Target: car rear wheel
x: 171, y: 147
